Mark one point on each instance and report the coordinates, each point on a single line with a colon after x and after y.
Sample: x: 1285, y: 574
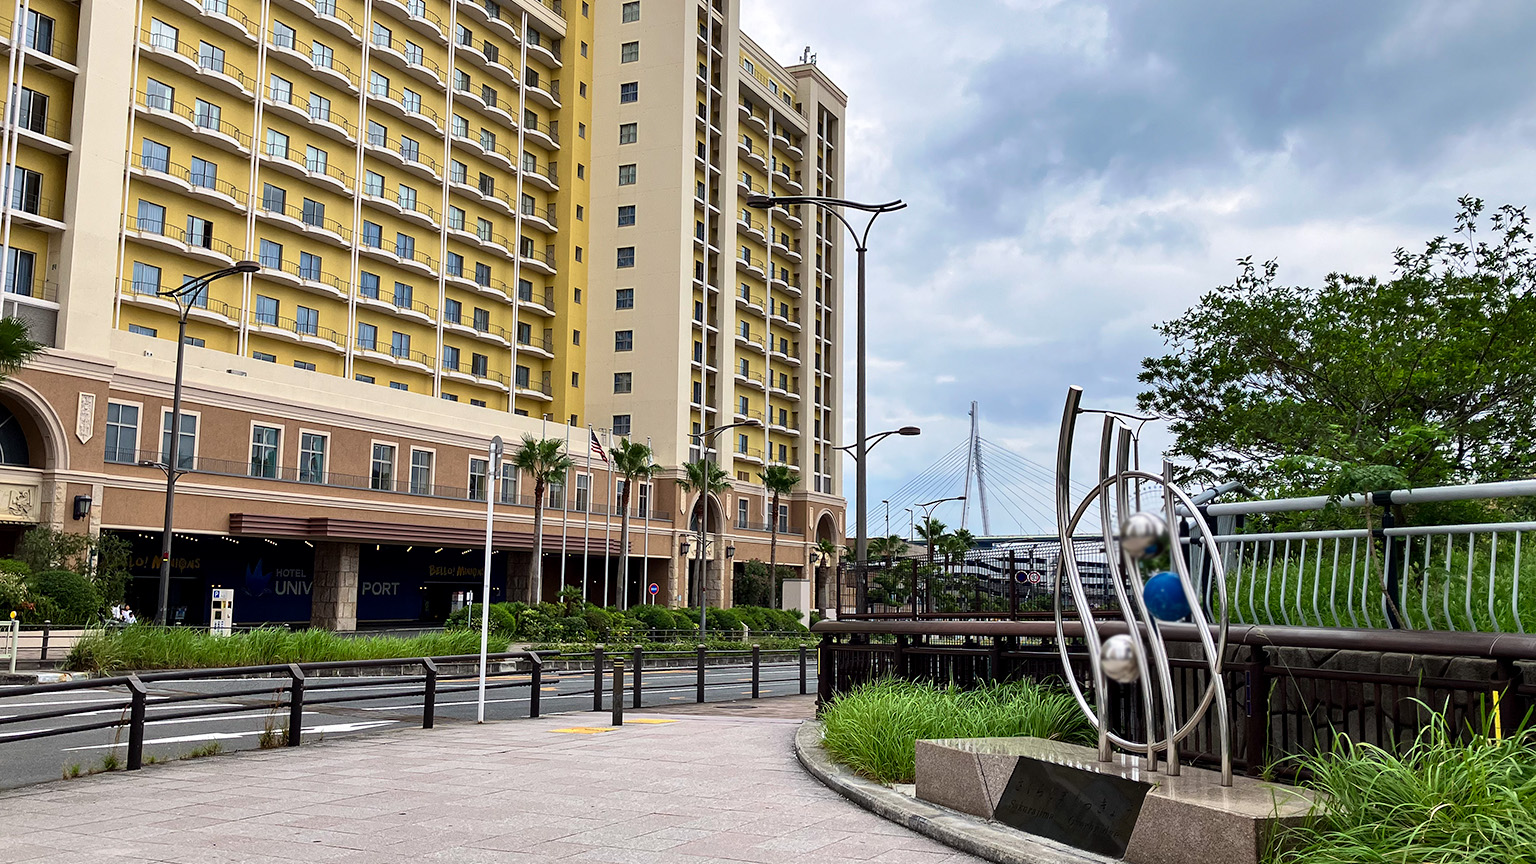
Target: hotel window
x: 623, y: 382
x: 378, y: 133
x: 583, y: 492
x: 455, y: 217
x: 628, y: 132
x: 264, y: 450
x: 381, y: 471
x: 373, y: 234
x: 405, y: 246
x: 271, y: 254
x: 378, y: 84
x: 163, y: 35
x: 373, y: 184
x: 465, y: 36
x: 410, y: 149
x: 629, y: 92
x: 319, y: 108
x: 482, y: 319
x: 742, y: 405
x: 627, y: 175
x: 483, y: 274
x: 452, y: 310
x: 478, y: 469
x: 158, y: 95
x: 207, y: 115
x: 626, y: 215
x: 629, y: 52
x: 273, y: 198
x: 741, y: 443
x: 450, y: 357
x: 487, y: 140
x: 421, y: 472
x: 141, y: 330
x: 204, y: 174
x: 625, y: 299
x: 743, y: 510
x: 459, y: 126
x: 520, y: 376
x: 488, y: 95
x: 643, y: 500
x: 154, y: 156
x: 406, y: 197
x: 306, y: 320
x: 411, y: 100
x: 297, y: 364
x: 146, y: 278
x: 282, y: 35
x: 461, y: 80
x: 366, y: 379
x: 556, y: 496
x: 509, y: 477
x: 400, y: 344
x: 322, y: 55
x: 698, y: 393
x: 453, y: 264
x: 484, y: 229
x: 783, y: 508
x: 479, y: 365
x: 122, y: 433
x: 368, y: 284
x: 624, y: 340
x: 312, y: 447
x: 381, y: 35
x: 630, y: 12
x: 367, y: 336
x: 151, y: 218
x: 266, y: 310
x: 282, y: 90
x: 413, y: 53
x: 399, y: 385
x: 626, y: 256
x: 22, y: 267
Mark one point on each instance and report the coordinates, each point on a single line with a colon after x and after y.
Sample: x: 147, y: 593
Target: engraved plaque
x: 85, y: 417
x: 1079, y: 807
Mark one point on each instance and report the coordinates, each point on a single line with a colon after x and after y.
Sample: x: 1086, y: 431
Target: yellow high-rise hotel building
x: 424, y: 184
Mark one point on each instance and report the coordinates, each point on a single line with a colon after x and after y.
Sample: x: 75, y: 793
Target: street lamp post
x: 927, y: 525
x: 830, y: 205
x: 492, y: 470
x: 705, y: 438
x: 858, y: 450
x: 185, y: 296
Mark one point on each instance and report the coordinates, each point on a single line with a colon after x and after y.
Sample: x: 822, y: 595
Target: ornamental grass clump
x: 874, y: 729
x: 1446, y: 800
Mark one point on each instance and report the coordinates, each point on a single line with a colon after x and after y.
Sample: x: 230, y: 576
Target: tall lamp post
x: 858, y: 450
x: 927, y: 524
x: 831, y: 205
x: 185, y: 296
x: 706, y: 439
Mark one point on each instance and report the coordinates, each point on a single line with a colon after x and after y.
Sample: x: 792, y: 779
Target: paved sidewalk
x: 695, y: 790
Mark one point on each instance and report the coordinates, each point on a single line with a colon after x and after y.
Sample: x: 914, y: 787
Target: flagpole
x: 565, y: 511
x: 586, y: 536
x: 608, y: 518
x: 645, y: 526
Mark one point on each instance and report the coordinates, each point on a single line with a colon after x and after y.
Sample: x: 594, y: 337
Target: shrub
x: 1444, y: 800
x: 148, y: 647
x: 70, y: 598
x: 874, y: 729
x: 14, y: 597
x: 503, y: 619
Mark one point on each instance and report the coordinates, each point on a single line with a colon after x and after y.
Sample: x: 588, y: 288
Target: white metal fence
x: 1429, y: 577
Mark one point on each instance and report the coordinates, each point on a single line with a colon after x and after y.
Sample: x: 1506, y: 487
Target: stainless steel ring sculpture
x: 1140, y: 654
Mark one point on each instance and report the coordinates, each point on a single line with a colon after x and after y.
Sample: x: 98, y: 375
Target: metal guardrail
x: 1282, y: 702
x: 291, y: 693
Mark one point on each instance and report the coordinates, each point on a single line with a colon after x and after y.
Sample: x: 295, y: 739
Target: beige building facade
x: 418, y: 181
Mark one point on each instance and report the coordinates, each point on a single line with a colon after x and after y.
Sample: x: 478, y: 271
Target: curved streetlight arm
x: 872, y: 440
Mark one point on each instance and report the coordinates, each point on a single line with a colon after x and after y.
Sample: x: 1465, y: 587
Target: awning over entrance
x: 364, y: 531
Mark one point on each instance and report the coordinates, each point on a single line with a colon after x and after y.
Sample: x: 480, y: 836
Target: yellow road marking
x: 585, y: 730
x: 648, y: 721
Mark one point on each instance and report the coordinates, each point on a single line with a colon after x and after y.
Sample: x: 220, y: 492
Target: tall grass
x: 147, y: 647
x: 874, y: 729
x: 1443, y: 800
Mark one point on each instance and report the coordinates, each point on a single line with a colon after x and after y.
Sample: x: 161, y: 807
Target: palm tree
x: 887, y: 547
x: 546, y: 463
x: 633, y: 462
x: 705, y: 478
x: 829, y: 552
x: 934, y: 533
x: 16, y: 346
x: 779, y: 480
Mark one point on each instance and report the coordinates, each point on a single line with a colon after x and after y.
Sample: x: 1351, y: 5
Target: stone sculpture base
x: 1115, y: 808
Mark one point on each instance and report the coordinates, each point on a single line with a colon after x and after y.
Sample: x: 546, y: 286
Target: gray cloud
x: 1078, y: 171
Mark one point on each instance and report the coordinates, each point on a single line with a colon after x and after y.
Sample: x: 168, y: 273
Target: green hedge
x: 588, y: 623
x: 147, y: 647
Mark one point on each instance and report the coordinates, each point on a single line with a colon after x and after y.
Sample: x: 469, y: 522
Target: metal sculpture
x: 1138, y: 655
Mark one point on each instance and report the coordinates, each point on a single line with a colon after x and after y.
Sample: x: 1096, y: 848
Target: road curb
x: 954, y: 829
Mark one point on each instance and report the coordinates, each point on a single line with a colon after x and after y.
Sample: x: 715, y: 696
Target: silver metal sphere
x: 1142, y: 534
x: 1117, y: 657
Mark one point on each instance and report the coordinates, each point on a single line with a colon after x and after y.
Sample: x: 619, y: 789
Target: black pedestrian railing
x: 296, y: 686
x: 1291, y: 691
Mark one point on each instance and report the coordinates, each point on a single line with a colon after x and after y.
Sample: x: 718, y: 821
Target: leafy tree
x: 546, y: 462
x: 707, y: 479
x: 778, y: 480
x: 1428, y: 377
x: 887, y: 547
x: 750, y: 584
x: 633, y: 461
x: 16, y: 346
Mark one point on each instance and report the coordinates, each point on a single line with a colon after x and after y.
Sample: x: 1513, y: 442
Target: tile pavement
x: 699, y: 790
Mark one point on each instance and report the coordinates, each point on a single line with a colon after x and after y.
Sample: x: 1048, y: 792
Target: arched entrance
x: 31, y: 442
x: 826, y: 530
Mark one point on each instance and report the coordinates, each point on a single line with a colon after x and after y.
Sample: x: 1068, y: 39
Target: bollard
x: 46, y: 625
x: 700, y: 695
x: 639, y: 662
x: 15, y: 641
x: 295, y: 705
x: 756, y: 667
x: 140, y: 695
x: 618, y: 691
x: 537, y: 663
x: 429, y: 694
x: 802, y: 670
x: 597, y: 678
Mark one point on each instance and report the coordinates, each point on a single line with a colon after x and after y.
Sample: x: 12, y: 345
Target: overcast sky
x: 1078, y: 171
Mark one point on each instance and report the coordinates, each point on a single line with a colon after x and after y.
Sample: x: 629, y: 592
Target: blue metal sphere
x: 1164, y: 595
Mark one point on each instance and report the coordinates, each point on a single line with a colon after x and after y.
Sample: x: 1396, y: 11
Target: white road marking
x: 333, y: 728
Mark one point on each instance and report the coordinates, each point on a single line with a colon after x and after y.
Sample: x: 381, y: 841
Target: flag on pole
x: 597, y: 447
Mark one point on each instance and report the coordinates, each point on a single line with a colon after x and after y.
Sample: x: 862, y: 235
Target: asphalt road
x: 396, y: 706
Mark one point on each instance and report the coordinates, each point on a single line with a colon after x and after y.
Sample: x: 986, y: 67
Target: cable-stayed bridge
x: 1006, y: 495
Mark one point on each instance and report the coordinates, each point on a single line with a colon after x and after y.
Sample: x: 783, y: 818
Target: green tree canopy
x: 1426, y: 378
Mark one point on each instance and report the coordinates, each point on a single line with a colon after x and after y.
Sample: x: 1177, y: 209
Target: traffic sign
x: 655, y: 589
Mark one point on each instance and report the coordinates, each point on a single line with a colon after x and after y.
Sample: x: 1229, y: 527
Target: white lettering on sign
x: 291, y: 586
x: 382, y: 589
